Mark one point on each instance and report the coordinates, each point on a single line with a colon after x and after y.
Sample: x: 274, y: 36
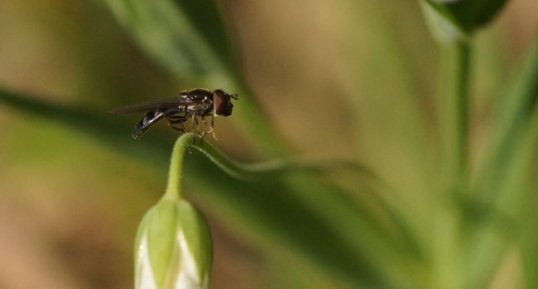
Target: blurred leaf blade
x: 172, y: 38
x: 529, y: 256
x: 500, y: 186
x: 345, y: 233
x: 99, y: 126
x: 518, y: 202
x: 515, y: 112
x: 529, y: 240
x: 273, y: 211
x: 206, y: 19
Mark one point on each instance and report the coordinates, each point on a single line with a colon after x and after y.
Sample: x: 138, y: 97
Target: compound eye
x: 222, y: 103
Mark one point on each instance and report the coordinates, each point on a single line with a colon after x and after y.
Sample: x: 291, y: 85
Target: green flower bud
x: 173, y: 248
x: 455, y: 20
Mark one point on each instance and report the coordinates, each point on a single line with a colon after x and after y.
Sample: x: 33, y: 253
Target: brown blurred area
x: 69, y: 208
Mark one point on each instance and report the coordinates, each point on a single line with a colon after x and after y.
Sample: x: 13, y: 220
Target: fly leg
x: 196, y: 127
x: 195, y: 124
x: 210, y: 126
x: 176, y: 122
x: 199, y: 131
x: 176, y: 117
x: 177, y: 126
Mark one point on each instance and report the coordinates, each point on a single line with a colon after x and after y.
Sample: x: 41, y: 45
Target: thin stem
x: 173, y: 187
x: 232, y: 168
x: 242, y: 171
x: 456, y: 121
x: 449, y: 236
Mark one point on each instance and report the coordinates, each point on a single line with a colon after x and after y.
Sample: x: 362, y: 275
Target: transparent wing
x: 161, y: 104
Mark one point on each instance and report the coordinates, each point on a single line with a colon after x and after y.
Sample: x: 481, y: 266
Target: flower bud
x: 173, y: 248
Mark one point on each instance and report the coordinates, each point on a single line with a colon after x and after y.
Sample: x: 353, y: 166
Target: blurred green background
x: 341, y: 79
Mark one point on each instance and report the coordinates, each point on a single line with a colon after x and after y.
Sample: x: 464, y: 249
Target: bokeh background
x: 343, y: 79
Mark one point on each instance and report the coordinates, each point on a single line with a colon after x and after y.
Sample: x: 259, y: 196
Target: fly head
x: 222, y: 102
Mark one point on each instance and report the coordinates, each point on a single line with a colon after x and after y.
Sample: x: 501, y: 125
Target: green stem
x: 456, y: 122
x: 449, y: 235
x: 232, y: 168
x: 242, y: 171
x: 173, y: 187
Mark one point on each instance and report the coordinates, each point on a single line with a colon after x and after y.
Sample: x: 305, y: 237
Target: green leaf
x: 499, y: 189
x: 529, y: 237
x: 186, y: 38
x: 100, y: 126
x: 529, y: 255
x: 514, y: 111
x: 274, y: 215
x: 207, y: 21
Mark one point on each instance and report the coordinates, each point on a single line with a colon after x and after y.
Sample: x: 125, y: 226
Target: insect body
x: 191, y: 104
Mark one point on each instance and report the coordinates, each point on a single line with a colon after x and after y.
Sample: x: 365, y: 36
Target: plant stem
x: 173, y: 187
x: 449, y: 236
x: 243, y: 171
x: 232, y: 168
x: 456, y: 122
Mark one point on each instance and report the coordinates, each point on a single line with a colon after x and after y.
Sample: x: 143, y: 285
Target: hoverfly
x: 191, y: 104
